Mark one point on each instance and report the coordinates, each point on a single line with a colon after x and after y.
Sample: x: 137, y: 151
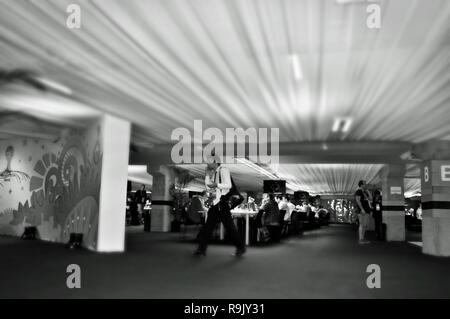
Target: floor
x: 323, y: 263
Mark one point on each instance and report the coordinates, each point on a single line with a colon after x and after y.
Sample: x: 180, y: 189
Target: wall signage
x: 396, y: 190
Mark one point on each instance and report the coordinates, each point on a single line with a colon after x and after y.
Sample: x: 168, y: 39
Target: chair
x: 284, y: 225
x: 295, y: 222
x: 275, y: 231
x: 29, y: 232
x: 281, y: 216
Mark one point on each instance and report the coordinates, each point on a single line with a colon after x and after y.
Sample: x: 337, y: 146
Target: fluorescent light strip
x: 342, y: 124
x: 350, y: 1
x: 348, y: 123
x: 296, y: 66
x: 336, y: 125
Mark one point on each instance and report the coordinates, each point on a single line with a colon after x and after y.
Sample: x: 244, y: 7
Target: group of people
x: 139, y: 208
x: 223, y: 196
x: 368, y: 206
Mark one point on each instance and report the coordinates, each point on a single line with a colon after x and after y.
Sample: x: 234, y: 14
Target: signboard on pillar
x: 445, y: 173
x: 396, y: 190
x: 435, y: 173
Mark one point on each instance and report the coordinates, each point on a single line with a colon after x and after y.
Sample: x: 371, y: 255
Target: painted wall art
x: 52, y: 185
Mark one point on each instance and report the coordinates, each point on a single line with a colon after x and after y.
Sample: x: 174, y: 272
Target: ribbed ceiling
x: 340, y: 179
x: 163, y: 64
x: 329, y: 178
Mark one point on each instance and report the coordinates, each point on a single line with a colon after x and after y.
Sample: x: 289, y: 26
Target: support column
x: 436, y: 207
x: 113, y: 190
x: 435, y: 179
x: 163, y: 179
x: 392, y: 185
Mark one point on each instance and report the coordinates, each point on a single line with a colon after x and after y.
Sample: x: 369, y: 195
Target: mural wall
x: 53, y: 185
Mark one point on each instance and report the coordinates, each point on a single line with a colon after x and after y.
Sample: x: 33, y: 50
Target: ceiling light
x: 350, y: 1
x: 342, y: 124
x: 295, y: 60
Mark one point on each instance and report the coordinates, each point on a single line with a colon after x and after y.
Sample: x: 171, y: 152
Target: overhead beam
x: 18, y: 133
x: 302, y: 153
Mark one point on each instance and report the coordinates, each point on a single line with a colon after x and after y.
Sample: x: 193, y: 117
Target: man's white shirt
x: 225, y: 182
x: 291, y: 208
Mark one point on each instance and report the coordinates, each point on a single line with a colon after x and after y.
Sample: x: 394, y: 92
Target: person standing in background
x: 140, y: 197
x: 269, y: 217
x: 377, y: 214
x: 147, y: 216
x: 419, y: 212
x: 363, y: 211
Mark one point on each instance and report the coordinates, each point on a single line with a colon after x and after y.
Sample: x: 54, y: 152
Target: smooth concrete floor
x: 323, y: 263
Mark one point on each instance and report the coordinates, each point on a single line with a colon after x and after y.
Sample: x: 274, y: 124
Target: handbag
x: 263, y: 234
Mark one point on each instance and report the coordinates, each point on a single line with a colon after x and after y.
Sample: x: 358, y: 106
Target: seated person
x: 310, y: 213
x: 303, y: 209
x: 324, y: 215
x: 291, y: 208
x: 251, y: 204
x: 270, y: 216
x: 282, y: 203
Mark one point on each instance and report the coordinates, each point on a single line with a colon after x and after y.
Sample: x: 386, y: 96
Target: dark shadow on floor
x: 323, y: 263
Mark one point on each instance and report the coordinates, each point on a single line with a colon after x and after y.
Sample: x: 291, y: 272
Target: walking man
x: 218, y: 181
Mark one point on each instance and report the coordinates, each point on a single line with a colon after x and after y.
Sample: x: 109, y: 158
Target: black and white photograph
x: 225, y: 154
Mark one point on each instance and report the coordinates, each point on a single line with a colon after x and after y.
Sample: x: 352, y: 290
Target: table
x: 242, y: 213
x: 237, y: 213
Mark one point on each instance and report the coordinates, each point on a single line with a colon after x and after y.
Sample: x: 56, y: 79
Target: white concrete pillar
x: 435, y: 181
x: 162, y: 202
x: 113, y: 189
x: 436, y: 207
x: 392, y: 186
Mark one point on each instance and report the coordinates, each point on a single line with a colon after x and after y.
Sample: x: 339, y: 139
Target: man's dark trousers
x: 377, y: 216
x: 221, y: 212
